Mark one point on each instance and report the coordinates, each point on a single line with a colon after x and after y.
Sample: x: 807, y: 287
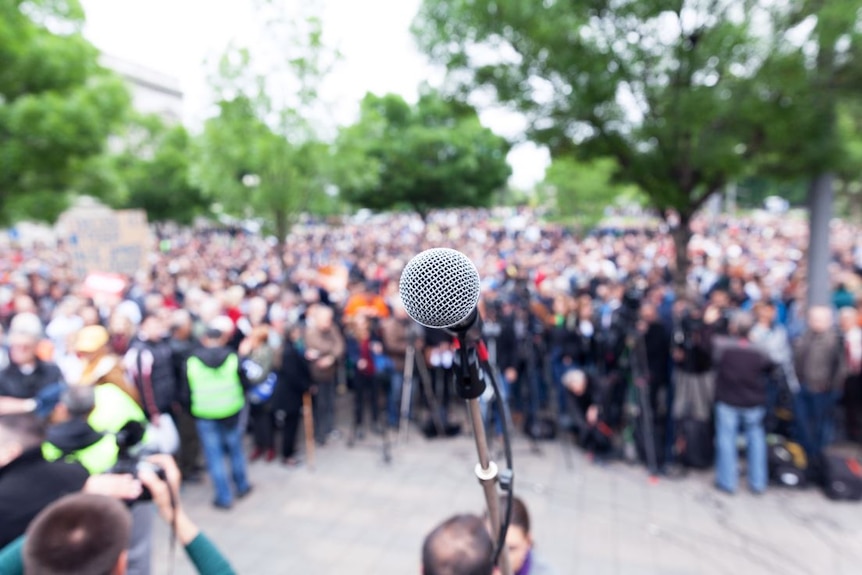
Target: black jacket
x: 29, y: 484
x: 151, y: 367
x: 294, y: 379
x: 14, y: 383
x: 73, y: 435
x: 740, y: 373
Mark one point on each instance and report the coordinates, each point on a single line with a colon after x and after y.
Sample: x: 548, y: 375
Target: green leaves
x: 435, y: 154
x: 57, y: 106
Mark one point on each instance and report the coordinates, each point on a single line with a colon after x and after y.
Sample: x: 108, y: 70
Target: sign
x: 104, y: 240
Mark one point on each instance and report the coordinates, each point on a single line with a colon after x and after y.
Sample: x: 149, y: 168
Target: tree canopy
x: 261, y: 155
x: 432, y: 155
x: 685, y: 96
x: 57, y: 106
x: 153, y: 172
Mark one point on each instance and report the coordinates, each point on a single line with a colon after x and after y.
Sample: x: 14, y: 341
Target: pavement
x: 357, y: 514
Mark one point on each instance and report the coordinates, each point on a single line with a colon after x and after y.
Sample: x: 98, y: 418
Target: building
x: 152, y: 92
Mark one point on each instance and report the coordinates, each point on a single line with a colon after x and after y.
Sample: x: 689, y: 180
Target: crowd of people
x: 227, y: 334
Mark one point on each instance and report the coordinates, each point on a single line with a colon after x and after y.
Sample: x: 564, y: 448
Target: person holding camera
x: 89, y: 532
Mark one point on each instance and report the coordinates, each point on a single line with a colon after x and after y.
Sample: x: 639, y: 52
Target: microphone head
x: 439, y: 288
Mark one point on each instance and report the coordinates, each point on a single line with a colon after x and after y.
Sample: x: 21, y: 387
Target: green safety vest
x: 216, y: 392
x: 96, y: 458
x: 114, y: 408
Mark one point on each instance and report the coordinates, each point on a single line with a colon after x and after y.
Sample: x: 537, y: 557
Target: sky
x: 176, y: 37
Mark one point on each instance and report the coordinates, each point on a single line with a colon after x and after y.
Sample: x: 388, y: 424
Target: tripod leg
x: 427, y: 385
x: 407, y: 393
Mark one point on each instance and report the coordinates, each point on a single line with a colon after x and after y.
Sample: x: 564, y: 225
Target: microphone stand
x: 471, y: 383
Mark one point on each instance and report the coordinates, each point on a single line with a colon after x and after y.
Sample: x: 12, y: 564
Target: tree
x: 682, y: 95
x: 432, y: 155
x: 57, y: 106
x: 262, y: 154
x: 584, y: 190
x: 153, y: 169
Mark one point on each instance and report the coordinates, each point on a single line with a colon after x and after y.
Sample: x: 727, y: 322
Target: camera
x: 129, y: 462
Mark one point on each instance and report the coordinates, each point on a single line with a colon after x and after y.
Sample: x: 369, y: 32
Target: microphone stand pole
x: 471, y: 384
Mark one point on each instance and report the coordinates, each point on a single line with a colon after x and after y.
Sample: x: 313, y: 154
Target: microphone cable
x: 506, y: 476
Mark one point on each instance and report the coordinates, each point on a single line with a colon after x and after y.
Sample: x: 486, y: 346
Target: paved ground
x: 355, y: 514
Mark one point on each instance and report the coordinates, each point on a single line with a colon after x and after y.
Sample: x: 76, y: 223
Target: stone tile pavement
x: 355, y: 514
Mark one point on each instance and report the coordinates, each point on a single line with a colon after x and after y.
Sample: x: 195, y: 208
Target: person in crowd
x: 654, y: 358
x: 100, y: 365
x: 28, y: 482
x: 256, y: 349
x: 523, y: 557
x: 692, y: 378
x: 214, y: 390
x: 772, y: 337
x: 562, y: 345
x: 460, y: 545
x: 294, y: 380
x: 87, y: 532
x: 851, y: 333
x: 28, y: 382
x: 183, y: 342
x: 362, y: 347
x: 149, y: 364
x: 324, y: 349
x: 741, y: 371
x: 396, y: 333
x: 72, y: 438
x: 586, y: 411
x: 820, y: 366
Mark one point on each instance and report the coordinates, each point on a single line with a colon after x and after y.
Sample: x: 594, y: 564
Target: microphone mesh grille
x: 439, y: 287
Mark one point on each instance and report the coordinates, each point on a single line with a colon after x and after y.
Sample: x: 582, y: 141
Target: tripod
x: 413, y: 360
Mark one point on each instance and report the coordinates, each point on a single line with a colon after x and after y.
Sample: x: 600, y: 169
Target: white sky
x: 176, y: 36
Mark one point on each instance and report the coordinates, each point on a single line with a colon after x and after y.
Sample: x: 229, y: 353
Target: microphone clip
x: 469, y: 377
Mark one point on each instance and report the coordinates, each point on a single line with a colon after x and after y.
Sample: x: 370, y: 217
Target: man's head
x: 18, y: 433
x: 848, y: 318
x: 519, y: 541
x: 24, y: 334
x: 80, y: 533
x: 77, y: 402
x: 819, y: 319
x: 218, y: 331
x: 461, y: 545
x: 741, y: 323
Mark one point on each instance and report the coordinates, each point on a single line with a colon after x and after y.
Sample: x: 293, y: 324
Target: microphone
x: 440, y: 289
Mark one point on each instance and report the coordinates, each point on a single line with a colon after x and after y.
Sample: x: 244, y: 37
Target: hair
x: 520, y: 515
x: 80, y: 400
x: 26, y: 324
x: 24, y: 428
x: 741, y: 323
x: 79, y: 533
x: 461, y: 545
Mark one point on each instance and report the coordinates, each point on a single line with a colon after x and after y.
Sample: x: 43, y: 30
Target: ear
x: 122, y: 564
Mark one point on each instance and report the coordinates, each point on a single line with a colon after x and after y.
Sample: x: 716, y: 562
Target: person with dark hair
x: 79, y: 533
x: 214, y: 389
x: 519, y: 541
x: 88, y: 533
x: 28, y: 482
x: 294, y: 380
x: 740, y: 401
x: 461, y: 545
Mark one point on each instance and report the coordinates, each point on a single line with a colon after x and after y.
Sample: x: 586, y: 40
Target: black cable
x: 509, y: 481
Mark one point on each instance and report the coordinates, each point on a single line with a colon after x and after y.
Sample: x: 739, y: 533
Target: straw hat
x: 91, y: 338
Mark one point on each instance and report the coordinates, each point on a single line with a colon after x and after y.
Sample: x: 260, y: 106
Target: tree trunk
x: 281, y: 229
x: 681, y: 234
x: 819, y: 219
